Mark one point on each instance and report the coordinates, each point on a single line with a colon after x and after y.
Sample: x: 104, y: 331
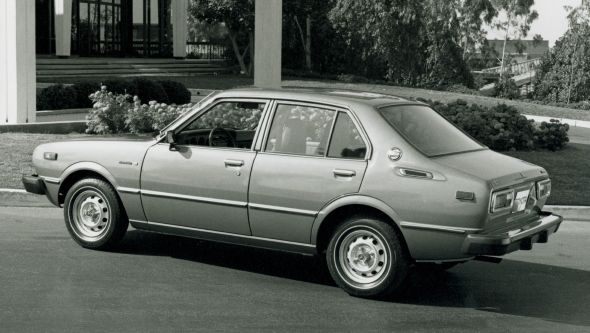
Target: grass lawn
x: 568, y: 168
x: 16, y: 150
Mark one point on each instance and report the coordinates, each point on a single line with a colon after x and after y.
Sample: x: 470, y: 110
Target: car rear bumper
x: 519, y: 239
x: 34, y: 184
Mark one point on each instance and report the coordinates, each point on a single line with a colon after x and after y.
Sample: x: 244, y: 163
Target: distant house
x: 520, y: 50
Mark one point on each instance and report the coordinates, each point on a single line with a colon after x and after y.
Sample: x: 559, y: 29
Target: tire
x: 366, y: 258
x: 94, y: 215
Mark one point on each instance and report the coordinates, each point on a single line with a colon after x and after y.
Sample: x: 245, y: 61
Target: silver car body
x: 290, y: 202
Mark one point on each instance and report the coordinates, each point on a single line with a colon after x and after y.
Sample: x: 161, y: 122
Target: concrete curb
x: 20, y: 198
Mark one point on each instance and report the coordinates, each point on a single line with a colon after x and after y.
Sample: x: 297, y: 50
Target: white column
x: 17, y: 61
x: 63, y: 27
x: 179, y: 27
x: 267, y: 43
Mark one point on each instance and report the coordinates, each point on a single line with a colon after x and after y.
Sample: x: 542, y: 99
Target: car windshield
x: 427, y: 130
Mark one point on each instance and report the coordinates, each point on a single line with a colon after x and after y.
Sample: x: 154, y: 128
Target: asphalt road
x: 163, y: 283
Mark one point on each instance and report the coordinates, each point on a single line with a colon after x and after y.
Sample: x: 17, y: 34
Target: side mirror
x: 171, y: 139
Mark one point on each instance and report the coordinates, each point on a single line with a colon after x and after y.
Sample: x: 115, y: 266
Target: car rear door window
x: 346, y: 140
x: 301, y: 130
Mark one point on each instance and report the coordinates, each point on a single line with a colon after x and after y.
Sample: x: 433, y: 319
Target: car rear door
x: 311, y: 155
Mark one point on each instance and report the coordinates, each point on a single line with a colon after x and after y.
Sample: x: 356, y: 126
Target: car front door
x: 202, y: 180
x: 311, y: 155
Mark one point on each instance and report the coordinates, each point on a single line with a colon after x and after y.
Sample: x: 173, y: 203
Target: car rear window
x: 427, y: 130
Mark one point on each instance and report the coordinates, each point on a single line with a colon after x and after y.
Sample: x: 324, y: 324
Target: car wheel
x: 366, y: 258
x: 94, y: 215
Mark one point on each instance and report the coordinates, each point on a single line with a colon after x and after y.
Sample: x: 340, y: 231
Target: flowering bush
x: 502, y: 127
x: 108, y: 113
x: 119, y: 113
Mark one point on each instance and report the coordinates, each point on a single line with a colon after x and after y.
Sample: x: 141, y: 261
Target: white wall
x: 179, y: 12
x: 17, y: 61
x: 267, y: 43
x: 63, y: 27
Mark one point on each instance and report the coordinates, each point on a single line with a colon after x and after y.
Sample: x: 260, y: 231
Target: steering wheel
x: 229, y: 138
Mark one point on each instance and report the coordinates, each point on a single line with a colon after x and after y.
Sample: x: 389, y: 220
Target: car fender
x: 353, y: 199
x: 89, y: 166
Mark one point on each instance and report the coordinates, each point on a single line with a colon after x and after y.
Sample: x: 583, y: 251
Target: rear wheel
x: 366, y: 258
x: 94, y: 215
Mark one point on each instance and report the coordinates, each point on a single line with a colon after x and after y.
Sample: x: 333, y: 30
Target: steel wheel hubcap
x: 91, y: 214
x: 363, y: 257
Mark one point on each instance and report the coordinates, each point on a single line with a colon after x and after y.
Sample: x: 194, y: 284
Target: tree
x: 472, y: 14
x: 384, y: 38
x: 564, y: 74
x: 514, y: 19
x: 238, y: 17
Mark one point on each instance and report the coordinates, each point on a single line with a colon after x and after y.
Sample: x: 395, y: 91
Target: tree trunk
x: 308, y: 43
x: 504, y: 52
x: 305, y: 42
x: 571, y: 75
x: 237, y: 53
x: 252, y: 52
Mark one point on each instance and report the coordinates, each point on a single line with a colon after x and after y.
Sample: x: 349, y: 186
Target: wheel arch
x: 332, y: 214
x: 79, y: 171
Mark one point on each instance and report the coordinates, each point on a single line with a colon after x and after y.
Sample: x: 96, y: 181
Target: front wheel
x: 94, y: 215
x: 366, y: 258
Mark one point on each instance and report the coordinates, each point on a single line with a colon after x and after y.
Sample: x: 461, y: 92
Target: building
x: 520, y: 50
x: 110, y: 28
x: 115, y: 28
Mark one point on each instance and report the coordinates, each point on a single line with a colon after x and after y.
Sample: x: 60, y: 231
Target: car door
x: 202, y: 180
x: 311, y: 155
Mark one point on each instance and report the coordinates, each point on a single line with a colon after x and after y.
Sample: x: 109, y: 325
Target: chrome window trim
x: 215, y: 102
x: 331, y: 107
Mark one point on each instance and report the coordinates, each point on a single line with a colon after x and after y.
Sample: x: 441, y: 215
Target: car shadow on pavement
x: 274, y: 263
x: 518, y: 288
x: 512, y: 287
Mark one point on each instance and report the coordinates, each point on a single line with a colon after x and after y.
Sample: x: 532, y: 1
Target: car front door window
x: 226, y: 124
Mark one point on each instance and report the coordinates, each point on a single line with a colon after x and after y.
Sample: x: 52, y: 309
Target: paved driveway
x: 163, y: 283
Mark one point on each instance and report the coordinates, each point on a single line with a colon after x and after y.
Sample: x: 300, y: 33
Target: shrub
x: 176, y: 92
x: 109, y: 111
x: 552, y: 135
x: 119, y: 113
x: 148, y: 90
x: 83, y: 92
x: 120, y: 86
x: 506, y: 88
x: 56, y: 97
x: 502, y: 127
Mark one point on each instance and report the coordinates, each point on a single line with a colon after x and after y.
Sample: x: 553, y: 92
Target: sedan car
x: 372, y: 183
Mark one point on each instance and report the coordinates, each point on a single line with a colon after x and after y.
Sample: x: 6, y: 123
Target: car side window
x: 226, y: 124
x: 346, y: 140
x: 301, y: 130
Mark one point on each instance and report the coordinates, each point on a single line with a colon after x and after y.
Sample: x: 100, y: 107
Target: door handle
x: 344, y: 173
x: 233, y: 163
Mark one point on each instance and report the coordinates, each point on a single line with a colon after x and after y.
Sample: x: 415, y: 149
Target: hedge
x: 59, y: 96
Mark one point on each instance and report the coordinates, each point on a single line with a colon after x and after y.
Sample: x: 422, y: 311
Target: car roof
x: 326, y: 96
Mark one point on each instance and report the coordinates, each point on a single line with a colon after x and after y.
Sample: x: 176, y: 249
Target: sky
x: 551, y: 23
